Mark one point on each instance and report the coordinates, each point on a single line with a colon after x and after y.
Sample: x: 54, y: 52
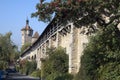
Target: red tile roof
x: 36, y: 35
x: 27, y: 27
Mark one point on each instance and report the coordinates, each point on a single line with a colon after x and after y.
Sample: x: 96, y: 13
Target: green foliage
x: 64, y: 77
x: 59, y: 76
x: 103, y: 49
x: 3, y: 65
x: 28, y: 67
x: 36, y: 73
x: 109, y: 71
x: 56, y: 65
x: 101, y: 57
x: 25, y: 46
x: 8, y: 51
x: 80, y: 12
x: 17, y: 67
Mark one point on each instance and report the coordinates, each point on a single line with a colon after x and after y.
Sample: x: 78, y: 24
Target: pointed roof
x: 27, y: 27
x: 36, y: 35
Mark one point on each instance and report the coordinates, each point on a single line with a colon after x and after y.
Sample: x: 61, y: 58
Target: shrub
x: 28, y: 67
x: 56, y: 65
x: 36, y: 73
x: 64, y: 77
x: 101, y: 59
x: 3, y: 65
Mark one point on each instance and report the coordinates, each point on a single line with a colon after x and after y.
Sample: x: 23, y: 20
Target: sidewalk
x: 18, y: 76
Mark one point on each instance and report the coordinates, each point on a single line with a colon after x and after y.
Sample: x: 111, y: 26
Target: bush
x: 59, y: 76
x: 3, y: 65
x: 28, y: 67
x: 64, y: 77
x: 25, y: 46
x: 56, y: 65
x: 36, y: 73
x: 101, y: 59
x: 110, y: 71
x: 17, y: 67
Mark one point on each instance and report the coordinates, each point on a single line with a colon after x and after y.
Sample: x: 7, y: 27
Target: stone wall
x: 69, y: 37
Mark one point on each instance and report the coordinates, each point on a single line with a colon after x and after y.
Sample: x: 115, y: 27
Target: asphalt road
x: 18, y: 76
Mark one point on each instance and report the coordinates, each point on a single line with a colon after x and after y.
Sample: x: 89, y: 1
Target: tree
x: 25, y: 46
x: 85, y: 13
x: 80, y: 12
x: 8, y: 50
x: 101, y: 59
x: 30, y: 66
x: 56, y: 65
x: 27, y: 67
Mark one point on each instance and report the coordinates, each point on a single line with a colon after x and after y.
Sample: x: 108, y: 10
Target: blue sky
x: 13, y: 14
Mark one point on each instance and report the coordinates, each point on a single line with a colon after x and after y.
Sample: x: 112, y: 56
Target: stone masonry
x: 69, y: 37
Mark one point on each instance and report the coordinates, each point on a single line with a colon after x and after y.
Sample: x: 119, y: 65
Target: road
x: 18, y: 76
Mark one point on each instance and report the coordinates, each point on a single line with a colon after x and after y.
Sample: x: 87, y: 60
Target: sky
x: 13, y: 15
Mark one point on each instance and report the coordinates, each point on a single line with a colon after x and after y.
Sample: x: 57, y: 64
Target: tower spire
x: 27, y: 21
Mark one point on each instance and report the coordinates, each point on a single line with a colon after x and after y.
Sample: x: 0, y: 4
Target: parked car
x: 11, y: 70
x: 3, y: 74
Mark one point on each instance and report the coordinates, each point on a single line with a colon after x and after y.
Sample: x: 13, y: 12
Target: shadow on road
x: 18, y: 76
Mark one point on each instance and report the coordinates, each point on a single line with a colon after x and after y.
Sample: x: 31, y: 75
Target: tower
x: 27, y: 33
x: 35, y: 37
